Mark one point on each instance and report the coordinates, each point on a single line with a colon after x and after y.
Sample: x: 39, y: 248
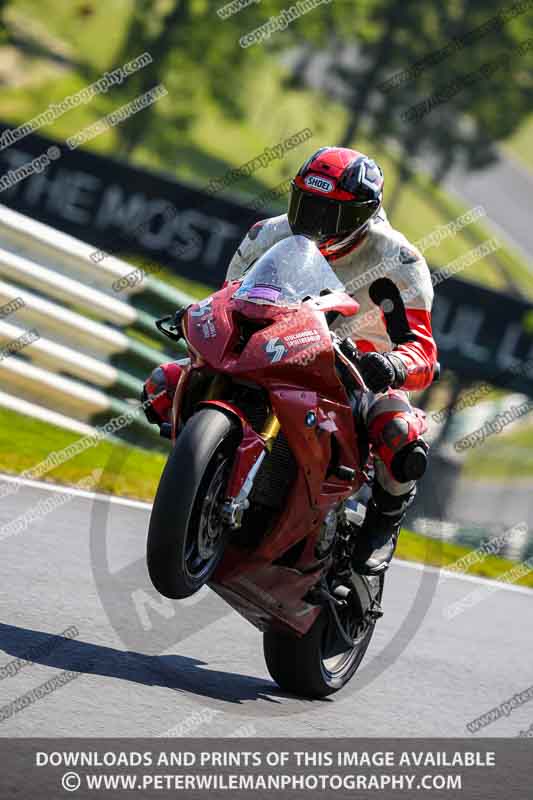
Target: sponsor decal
x: 275, y: 349
x: 317, y: 182
x: 205, y: 322
x: 407, y: 256
x: 267, y: 293
x: 302, y: 338
x: 278, y: 348
x: 209, y: 330
x: 304, y: 346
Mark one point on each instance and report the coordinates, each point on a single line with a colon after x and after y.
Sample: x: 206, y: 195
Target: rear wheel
x: 320, y: 662
x: 186, y: 537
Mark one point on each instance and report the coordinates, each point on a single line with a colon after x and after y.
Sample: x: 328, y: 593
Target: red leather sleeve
x: 419, y: 356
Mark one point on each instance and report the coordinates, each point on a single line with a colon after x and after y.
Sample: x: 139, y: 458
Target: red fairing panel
x: 209, y: 327
x: 293, y: 347
x: 420, y: 356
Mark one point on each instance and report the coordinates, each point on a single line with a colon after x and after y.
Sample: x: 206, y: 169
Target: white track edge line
x: 61, y: 489
x: 446, y: 573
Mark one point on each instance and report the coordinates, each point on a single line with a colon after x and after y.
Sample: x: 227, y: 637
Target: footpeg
x: 320, y: 593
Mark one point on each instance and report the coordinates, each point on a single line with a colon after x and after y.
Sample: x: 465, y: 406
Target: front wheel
x: 186, y: 537
x: 320, y: 662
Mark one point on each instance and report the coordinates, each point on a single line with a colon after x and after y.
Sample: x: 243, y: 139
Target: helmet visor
x: 324, y: 218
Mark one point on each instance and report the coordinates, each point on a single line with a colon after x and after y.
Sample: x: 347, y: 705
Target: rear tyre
x: 318, y: 663
x: 186, y: 537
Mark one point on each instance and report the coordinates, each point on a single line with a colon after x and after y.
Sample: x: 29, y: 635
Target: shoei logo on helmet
x: 322, y: 184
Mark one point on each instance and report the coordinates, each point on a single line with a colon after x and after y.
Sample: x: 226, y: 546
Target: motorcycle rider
x: 336, y: 199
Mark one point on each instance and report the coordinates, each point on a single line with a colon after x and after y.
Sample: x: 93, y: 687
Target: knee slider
x: 410, y: 463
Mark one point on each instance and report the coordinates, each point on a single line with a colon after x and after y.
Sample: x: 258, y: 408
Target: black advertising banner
x: 484, y: 335
x: 118, y: 207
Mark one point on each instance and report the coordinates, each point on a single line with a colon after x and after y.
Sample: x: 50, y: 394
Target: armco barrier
x: 74, y: 330
x: 86, y: 362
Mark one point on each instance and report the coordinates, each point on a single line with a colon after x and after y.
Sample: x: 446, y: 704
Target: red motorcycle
x: 266, y: 453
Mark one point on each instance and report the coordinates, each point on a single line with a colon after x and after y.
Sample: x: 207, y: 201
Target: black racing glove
x: 381, y: 371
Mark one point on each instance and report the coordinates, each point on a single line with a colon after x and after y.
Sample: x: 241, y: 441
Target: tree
x: 393, y: 37
x: 195, y: 50
x: 190, y: 55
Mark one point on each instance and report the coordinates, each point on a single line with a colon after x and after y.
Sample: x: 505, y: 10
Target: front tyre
x: 186, y: 537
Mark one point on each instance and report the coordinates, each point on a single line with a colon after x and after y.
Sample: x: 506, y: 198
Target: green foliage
x: 197, y: 55
x: 226, y: 103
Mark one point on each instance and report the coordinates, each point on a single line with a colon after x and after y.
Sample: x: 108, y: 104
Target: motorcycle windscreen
x: 290, y: 271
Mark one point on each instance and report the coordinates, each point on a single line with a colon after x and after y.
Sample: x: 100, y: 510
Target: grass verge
x: 25, y: 442
x: 415, y: 547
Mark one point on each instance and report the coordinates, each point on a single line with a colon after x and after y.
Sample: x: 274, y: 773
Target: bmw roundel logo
x: 310, y: 419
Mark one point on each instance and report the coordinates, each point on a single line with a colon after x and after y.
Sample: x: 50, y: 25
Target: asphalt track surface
x: 197, y: 668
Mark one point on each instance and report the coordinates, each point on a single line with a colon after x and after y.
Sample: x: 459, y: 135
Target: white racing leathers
x: 390, y: 279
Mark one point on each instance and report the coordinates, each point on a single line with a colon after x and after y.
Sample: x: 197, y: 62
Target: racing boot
x: 376, y: 539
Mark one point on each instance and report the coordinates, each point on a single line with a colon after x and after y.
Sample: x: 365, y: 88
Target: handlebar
x: 350, y: 363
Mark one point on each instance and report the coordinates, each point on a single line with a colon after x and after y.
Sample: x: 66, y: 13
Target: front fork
x: 250, y: 455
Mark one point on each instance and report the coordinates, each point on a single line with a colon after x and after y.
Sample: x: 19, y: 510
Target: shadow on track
x: 175, y: 672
